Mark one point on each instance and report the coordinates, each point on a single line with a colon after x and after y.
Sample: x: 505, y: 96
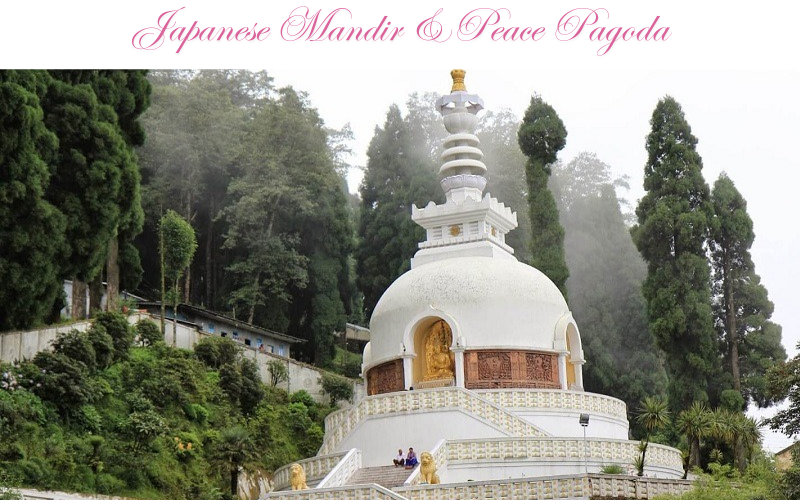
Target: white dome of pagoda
x: 488, y: 303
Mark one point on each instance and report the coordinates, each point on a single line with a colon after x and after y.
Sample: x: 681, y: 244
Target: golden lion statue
x: 427, y: 469
x: 297, y: 477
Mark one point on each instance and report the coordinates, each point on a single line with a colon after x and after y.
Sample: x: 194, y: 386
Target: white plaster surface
x: 379, y: 438
x: 493, y: 302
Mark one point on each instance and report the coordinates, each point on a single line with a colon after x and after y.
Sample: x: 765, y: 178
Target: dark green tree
x: 87, y: 179
x: 31, y: 228
x: 541, y: 136
x: 127, y: 92
x: 783, y: 381
x: 742, y: 310
x: 397, y: 176
x: 673, y: 224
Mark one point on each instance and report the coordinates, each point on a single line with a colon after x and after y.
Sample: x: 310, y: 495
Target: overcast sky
x: 734, y: 70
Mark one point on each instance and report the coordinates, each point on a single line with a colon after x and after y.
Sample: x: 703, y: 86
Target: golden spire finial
x: 458, y: 80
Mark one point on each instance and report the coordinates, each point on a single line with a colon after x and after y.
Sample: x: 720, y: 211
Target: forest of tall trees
x: 94, y: 159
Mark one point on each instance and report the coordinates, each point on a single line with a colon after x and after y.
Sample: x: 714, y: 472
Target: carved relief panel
x: 386, y: 377
x: 500, y: 369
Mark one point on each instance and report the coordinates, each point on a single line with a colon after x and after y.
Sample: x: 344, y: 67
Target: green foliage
x: 742, y: 309
x: 148, y: 332
x: 217, y: 351
x: 278, y: 372
x: 397, y: 176
x: 783, y: 381
x: 653, y: 416
x: 612, y: 469
x: 117, y: 327
x: 76, y: 345
x: 674, y: 218
x: 31, y: 228
x: 338, y: 388
x: 541, y: 136
x: 179, y: 245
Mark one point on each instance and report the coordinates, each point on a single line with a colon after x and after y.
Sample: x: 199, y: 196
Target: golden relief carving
x: 455, y: 230
x: 439, y: 359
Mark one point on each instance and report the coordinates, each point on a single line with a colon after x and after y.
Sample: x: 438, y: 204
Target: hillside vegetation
x: 102, y: 413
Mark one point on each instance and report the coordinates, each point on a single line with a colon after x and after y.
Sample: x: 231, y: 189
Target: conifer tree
x: 397, y: 176
x: 87, y: 178
x: 31, y: 229
x: 673, y: 224
x: 742, y: 309
x: 541, y: 136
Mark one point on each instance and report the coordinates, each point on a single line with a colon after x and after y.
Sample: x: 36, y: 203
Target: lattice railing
x: 580, y: 486
x: 556, y: 400
x: 604, y: 450
x: 315, y: 467
x: 364, y: 492
x: 339, y: 425
x: 344, y: 470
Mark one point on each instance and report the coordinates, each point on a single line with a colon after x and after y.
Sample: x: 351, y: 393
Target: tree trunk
x: 176, y: 291
x: 234, y: 481
x: 253, y: 305
x: 695, y: 459
x: 738, y: 454
x: 78, y: 299
x: 188, y: 284
x: 112, y: 274
x: 163, y: 277
x: 730, y: 313
x: 209, y: 259
x: 96, y: 295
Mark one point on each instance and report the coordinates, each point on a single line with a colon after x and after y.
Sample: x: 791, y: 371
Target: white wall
x: 564, y: 423
x: 380, y: 437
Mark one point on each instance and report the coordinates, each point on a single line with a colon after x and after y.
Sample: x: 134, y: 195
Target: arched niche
x: 434, y: 364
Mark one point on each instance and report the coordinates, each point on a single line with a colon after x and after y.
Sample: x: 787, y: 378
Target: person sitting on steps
x: 411, y: 459
x: 400, y: 459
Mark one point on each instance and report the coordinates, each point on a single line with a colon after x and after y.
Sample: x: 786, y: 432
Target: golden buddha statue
x: 439, y: 359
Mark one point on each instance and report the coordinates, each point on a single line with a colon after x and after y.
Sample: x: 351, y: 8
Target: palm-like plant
x: 233, y: 449
x: 751, y: 434
x: 653, y: 415
x: 695, y: 422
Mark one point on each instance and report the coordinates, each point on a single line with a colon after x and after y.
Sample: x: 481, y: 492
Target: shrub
x: 117, y: 327
x: 338, y: 388
x: 277, y: 372
x: 352, y: 369
x: 217, y: 351
x: 303, y: 397
x: 76, y: 345
x: 148, y: 332
x: 612, y: 469
x: 103, y: 345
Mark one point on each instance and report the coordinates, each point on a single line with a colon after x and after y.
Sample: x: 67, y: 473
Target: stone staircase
x: 387, y: 476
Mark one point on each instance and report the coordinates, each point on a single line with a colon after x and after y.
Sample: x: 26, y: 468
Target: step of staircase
x: 387, y: 476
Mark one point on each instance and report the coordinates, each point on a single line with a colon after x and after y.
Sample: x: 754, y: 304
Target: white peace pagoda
x: 476, y: 358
